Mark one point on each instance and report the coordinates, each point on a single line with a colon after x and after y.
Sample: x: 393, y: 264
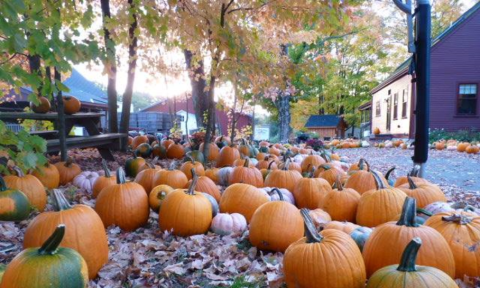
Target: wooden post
x: 61, y: 118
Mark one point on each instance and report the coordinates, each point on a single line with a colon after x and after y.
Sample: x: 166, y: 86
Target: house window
x: 404, y: 103
x: 395, y: 106
x: 467, y: 99
x: 377, y: 109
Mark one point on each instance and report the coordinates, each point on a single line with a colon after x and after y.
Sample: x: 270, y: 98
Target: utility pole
x: 421, y: 61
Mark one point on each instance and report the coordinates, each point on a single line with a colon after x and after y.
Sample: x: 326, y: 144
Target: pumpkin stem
x: 280, y: 195
x: 59, y: 201
x: 409, y: 211
x: 69, y: 162
x: 270, y: 165
x: 266, y: 158
x: 458, y: 218
x: 389, y: 172
x: 424, y: 212
x: 150, y: 165
x: 121, y: 176
x: 50, y: 246
x: 368, y: 165
x: 378, y: 180
x: 311, y: 174
x: 287, y: 164
x: 161, y: 195
x: 409, y: 256
x: 247, y: 163
x: 191, y: 159
x: 411, y: 183
x: 310, y: 231
x: 325, y: 157
x: 105, y: 169
x: 18, y: 171
x: 338, y: 183
x: 191, y: 188
x: 324, y: 167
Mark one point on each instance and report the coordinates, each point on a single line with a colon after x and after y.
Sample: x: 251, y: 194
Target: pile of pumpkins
x: 392, y: 144
x: 358, y: 221
x: 343, y: 144
x: 71, y: 105
x: 454, y: 145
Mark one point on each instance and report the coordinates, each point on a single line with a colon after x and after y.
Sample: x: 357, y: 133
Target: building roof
x: 323, y: 121
x: 404, y: 67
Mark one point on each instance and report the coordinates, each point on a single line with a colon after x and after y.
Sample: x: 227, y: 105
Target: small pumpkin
x: 364, y: 180
x: 462, y: 147
x: 424, y: 193
x: 85, y: 180
x: 224, y: 176
x: 472, y: 149
x: 213, y: 151
x: 226, y: 224
x: 146, y: 176
x: 329, y: 173
x: 213, y: 174
x: 311, y: 161
x: 167, y: 143
x: 186, y: 212
x: 283, y: 178
x: 320, y: 218
x: 390, y: 199
x: 30, y: 186
x: 242, y: 198
x: 413, y: 175
x: 227, y: 156
x: 360, y: 235
x: 47, y: 266
x: 123, y: 204
x: 171, y: 177
x: 132, y: 166
x: 71, y: 105
x: 314, y: 260
x: 386, y: 243
x: 103, y: 181
x: 175, y: 151
x: 272, y: 193
x: 275, y: 225
x: 138, y: 140
x: 42, y: 107
x: 48, y: 175
x: 14, y: 204
x: 143, y: 150
x: 67, y: 170
x: 246, y: 174
x: 159, y: 151
x: 341, y: 203
x: 192, y: 164
x: 408, y: 274
x: 86, y: 233
x: 157, y: 195
x: 344, y: 226
x: 310, y: 192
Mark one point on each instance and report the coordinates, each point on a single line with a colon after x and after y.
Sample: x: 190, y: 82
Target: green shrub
x: 464, y: 135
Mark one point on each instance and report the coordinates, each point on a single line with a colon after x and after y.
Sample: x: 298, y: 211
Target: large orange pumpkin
x: 243, y: 199
x: 424, y: 193
x: 380, y: 205
x: 30, y: 186
x: 103, y: 181
x: 186, y: 212
x: 311, y: 161
x: 462, y: 147
x: 472, y: 149
x: 461, y: 230
x: 341, y: 203
x: 67, y: 170
x: 48, y: 175
x: 171, y: 177
x: 123, y: 204
x: 71, y: 105
x: 329, y: 173
x: 227, y: 156
x: 283, y: 178
x: 275, y: 225
x: 363, y: 180
x: 310, y: 192
x: 386, y: 243
x: 326, y: 259
x: 85, y: 232
x: 246, y: 174
x: 138, y: 140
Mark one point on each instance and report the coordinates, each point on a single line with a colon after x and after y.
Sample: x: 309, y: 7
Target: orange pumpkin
x: 265, y: 163
x: 186, y: 212
x: 364, y: 180
x: 67, y: 170
x: 85, y: 232
x: 361, y: 165
x: 310, y: 192
x: 341, y: 203
x: 157, y: 195
x: 146, y: 176
x: 42, y: 107
x: 206, y: 185
x: 123, y: 204
x: 171, y: 177
x: 283, y: 178
x: 175, y: 151
x: 311, y: 161
x: 376, y: 131
x: 71, y: 105
x: 212, y: 174
x: 30, y: 186
x: 462, y: 147
x: 243, y: 199
x: 344, y: 226
x: 329, y: 173
x: 192, y: 164
x: 472, y: 149
x: 423, y: 193
x: 213, y: 151
x: 246, y: 174
x: 166, y: 143
x: 140, y: 139
x: 103, y: 181
x: 227, y: 156
x: 48, y: 175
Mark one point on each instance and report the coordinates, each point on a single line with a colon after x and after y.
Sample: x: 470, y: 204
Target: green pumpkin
x: 221, y: 143
x: 214, y: 203
x: 195, y: 155
x: 263, y: 149
x: 360, y: 235
x: 143, y: 150
x: 14, y: 204
x: 48, y: 266
x: 132, y: 165
x: 159, y: 151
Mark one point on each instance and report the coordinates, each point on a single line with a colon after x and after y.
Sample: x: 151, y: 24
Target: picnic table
x: 102, y: 142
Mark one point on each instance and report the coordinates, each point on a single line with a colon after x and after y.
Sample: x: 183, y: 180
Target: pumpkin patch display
x: 387, y: 241
x: 424, y: 193
x: 123, y: 204
x: 157, y: 195
x: 186, y: 212
x: 86, y: 233
x: 30, y: 186
x: 85, y: 180
x: 246, y: 174
x: 275, y: 225
x: 68, y: 171
x: 341, y: 203
x: 461, y: 230
x: 14, y: 204
x: 48, y: 175
x: 47, y: 266
x: 408, y: 274
x: 103, y: 181
x: 226, y: 224
x: 242, y: 198
x: 304, y: 260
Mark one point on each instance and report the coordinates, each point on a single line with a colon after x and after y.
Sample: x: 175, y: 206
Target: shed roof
x: 323, y: 121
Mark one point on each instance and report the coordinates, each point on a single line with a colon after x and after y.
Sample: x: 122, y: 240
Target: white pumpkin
x: 299, y: 158
x: 226, y: 224
x: 273, y: 195
x: 85, y: 180
x: 224, y: 176
x: 452, y: 148
x: 438, y: 207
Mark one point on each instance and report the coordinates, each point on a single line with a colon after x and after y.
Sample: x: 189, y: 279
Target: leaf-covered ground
x: 150, y: 258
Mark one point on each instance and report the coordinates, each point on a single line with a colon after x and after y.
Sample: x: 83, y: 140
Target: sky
x: 156, y: 87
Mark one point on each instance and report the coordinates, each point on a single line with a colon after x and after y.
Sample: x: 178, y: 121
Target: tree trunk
x: 234, y: 119
x: 211, y: 118
x: 111, y: 65
x: 34, y: 63
x: 284, y: 117
x: 253, y: 120
x: 200, y: 97
x: 132, y: 66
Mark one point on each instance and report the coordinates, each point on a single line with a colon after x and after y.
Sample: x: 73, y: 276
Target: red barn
x: 181, y: 105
